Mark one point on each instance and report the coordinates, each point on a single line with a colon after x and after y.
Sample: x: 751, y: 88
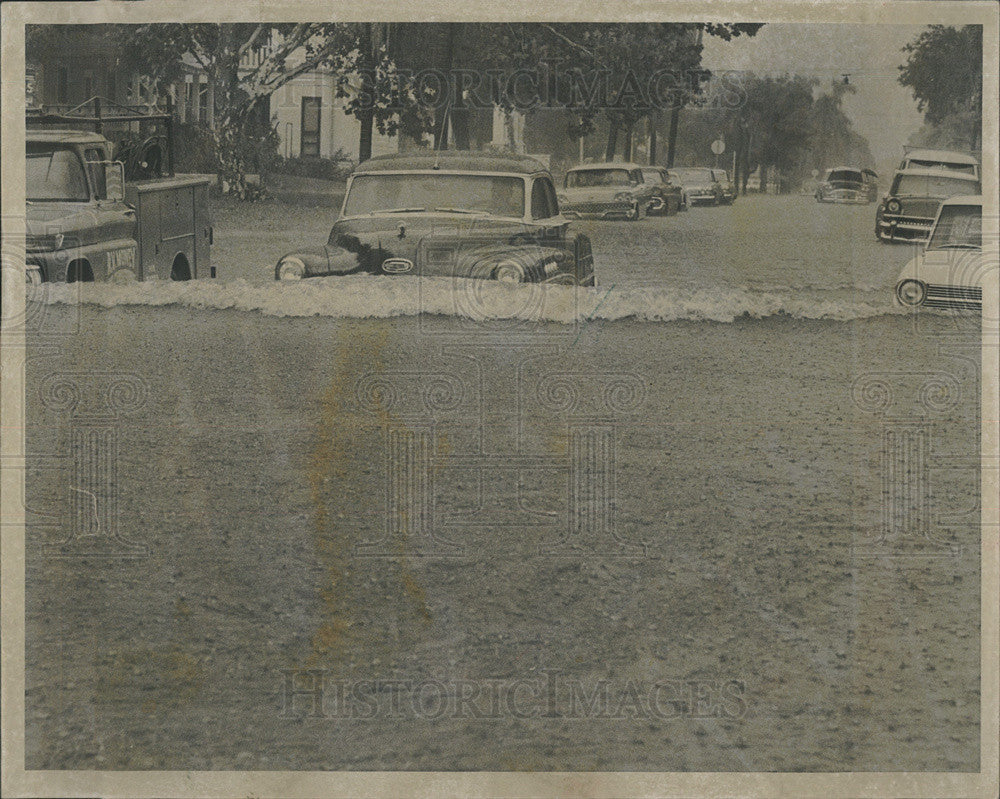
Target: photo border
x: 16, y: 781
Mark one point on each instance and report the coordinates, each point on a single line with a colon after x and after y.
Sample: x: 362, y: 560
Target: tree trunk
x: 609, y: 151
x: 441, y: 130
x: 441, y: 141
x: 365, y: 144
x: 233, y: 166
x: 460, y: 128
x: 675, y: 114
x: 508, y: 126
x: 366, y: 116
x: 654, y: 119
x: 627, y: 144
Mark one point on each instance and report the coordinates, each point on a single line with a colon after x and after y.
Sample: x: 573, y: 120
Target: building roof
x: 451, y: 161
x: 63, y: 136
x: 610, y: 165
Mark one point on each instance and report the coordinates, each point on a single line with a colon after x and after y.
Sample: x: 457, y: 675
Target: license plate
x: 121, y: 259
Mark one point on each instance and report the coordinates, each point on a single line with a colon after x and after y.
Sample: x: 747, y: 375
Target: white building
x: 306, y: 113
x: 311, y: 121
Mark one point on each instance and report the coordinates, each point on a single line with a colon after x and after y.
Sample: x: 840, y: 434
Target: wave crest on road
x: 367, y: 296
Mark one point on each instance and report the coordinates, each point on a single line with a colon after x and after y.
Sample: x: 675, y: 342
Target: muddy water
x: 710, y: 545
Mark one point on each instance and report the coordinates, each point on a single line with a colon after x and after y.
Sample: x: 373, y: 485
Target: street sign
x: 718, y: 147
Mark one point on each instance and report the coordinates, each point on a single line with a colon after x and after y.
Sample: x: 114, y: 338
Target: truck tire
x: 180, y: 269
x: 79, y: 271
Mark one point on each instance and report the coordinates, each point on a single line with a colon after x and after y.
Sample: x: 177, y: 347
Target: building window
x: 309, y: 143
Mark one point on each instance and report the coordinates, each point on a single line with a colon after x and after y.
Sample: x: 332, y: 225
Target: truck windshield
x: 54, y: 173
x: 960, y: 227
x: 498, y: 195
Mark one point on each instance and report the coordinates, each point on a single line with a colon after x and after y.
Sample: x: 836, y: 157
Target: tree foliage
x: 605, y: 71
x: 944, y: 69
x: 780, y: 126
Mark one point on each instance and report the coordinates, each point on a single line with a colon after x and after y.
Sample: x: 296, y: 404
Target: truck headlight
x: 911, y: 292
x: 291, y: 268
x: 509, y: 271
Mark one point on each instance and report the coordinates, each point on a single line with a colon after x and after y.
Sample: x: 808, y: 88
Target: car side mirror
x: 114, y: 180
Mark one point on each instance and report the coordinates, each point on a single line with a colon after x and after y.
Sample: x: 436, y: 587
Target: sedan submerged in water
x: 699, y: 185
x: 949, y: 272
x: 449, y: 214
x: 607, y: 191
x: 908, y: 211
x: 845, y: 184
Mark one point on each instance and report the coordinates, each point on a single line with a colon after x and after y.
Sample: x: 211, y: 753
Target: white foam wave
x: 368, y: 296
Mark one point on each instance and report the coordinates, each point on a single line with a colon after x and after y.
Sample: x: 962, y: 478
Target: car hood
x: 47, y: 218
x: 959, y: 267
x: 405, y: 233
x: 445, y: 245
x: 919, y: 205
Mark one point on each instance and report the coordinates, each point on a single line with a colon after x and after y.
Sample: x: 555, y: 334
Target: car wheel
x: 33, y: 275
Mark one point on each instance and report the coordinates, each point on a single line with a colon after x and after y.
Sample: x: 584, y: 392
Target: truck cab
x: 87, y: 219
x: 79, y: 227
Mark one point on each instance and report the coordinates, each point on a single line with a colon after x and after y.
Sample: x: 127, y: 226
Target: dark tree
x: 944, y: 68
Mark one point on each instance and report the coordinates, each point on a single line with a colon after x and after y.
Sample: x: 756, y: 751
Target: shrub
x: 194, y: 149
x: 337, y: 167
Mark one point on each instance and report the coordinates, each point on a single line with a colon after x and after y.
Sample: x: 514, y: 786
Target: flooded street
x: 682, y: 527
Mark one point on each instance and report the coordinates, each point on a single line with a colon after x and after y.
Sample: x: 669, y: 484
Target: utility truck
x: 103, y: 202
